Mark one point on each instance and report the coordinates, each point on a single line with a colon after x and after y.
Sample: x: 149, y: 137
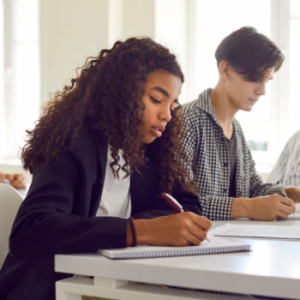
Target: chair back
x: 10, y: 201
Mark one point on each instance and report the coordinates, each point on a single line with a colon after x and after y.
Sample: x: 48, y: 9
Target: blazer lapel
x: 102, y: 148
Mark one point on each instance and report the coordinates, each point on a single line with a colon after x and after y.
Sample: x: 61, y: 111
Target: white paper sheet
x: 258, y: 231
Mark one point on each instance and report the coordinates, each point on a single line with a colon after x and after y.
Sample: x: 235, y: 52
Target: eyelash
x: 154, y: 100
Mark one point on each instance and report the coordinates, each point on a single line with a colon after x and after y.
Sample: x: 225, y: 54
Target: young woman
x: 219, y: 159
x: 102, y: 153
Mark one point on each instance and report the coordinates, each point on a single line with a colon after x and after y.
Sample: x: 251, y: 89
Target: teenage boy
x: 218, y: 157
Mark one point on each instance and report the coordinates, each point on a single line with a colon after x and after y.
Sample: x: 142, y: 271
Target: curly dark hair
x: 106, y: 96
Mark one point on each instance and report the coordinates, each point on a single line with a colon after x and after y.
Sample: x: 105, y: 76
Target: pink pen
x: 174, y: 203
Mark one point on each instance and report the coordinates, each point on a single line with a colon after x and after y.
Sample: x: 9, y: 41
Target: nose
x: 165, y: 114
x: 262, y: 89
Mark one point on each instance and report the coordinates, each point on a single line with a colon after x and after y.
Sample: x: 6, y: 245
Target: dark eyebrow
x: 159, y: 89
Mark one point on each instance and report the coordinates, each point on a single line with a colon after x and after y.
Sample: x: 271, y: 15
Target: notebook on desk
x: 217, y: 245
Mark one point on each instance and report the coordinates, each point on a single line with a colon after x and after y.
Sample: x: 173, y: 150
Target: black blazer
x: 58, y: 217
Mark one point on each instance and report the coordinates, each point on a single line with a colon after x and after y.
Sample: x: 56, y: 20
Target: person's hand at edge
x: 1, y: 177
x: 18, y: 181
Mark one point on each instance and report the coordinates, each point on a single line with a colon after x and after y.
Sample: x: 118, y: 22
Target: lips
x: 160, y: 128
x: 253, y: 100
x: 157, y: 130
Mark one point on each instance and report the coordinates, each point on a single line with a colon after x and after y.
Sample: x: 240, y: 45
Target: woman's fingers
x: 202, y: 222
x: 197, y: 235
x: 193, y: 240
x: 196, y: 229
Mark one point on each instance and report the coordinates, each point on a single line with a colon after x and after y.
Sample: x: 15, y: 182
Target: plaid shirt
x: 208, y: 160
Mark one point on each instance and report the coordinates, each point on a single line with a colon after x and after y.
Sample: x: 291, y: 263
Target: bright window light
x: 294, y: 66
x: 215, y: 20
x: 19, y: 73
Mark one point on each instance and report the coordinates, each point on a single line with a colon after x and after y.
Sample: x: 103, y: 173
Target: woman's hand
x: 180, y: 229
x: 1, y: 177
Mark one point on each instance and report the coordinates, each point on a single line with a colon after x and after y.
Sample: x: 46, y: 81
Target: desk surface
x: 271, y: 269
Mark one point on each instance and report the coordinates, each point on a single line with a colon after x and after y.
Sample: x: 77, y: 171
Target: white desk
x: 271, y: 269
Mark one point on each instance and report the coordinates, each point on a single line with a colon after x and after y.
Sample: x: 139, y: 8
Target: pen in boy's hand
x: 174, y: 203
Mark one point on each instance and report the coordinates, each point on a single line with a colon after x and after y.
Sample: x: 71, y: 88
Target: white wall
x: 170, y: 30
x: 71, y: 30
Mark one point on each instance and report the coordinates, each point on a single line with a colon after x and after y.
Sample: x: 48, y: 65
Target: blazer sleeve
x: 188, y: 200
x: 53, y: 219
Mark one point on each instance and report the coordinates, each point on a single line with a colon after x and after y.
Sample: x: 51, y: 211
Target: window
x: 294, y: 67
x: 19, y: 73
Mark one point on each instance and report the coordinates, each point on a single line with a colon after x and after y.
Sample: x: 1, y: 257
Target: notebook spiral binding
x: 181, y: 252
x: 192, y: 290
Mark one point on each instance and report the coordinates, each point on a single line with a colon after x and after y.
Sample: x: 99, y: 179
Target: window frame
x: 8, y: 153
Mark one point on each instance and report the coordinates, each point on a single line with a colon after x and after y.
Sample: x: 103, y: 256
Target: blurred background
x: 44, y: 41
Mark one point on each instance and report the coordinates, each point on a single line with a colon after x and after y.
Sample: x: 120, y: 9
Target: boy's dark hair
x: 249, y: 53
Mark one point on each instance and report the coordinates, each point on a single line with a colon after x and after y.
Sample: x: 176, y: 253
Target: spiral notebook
x: 217, y: 245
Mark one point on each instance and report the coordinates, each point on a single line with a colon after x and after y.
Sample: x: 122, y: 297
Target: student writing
x: 103, y: 152
x: 219, y: 159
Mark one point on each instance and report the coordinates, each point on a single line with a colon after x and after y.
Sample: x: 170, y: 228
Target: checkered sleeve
x: 216, y: 208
